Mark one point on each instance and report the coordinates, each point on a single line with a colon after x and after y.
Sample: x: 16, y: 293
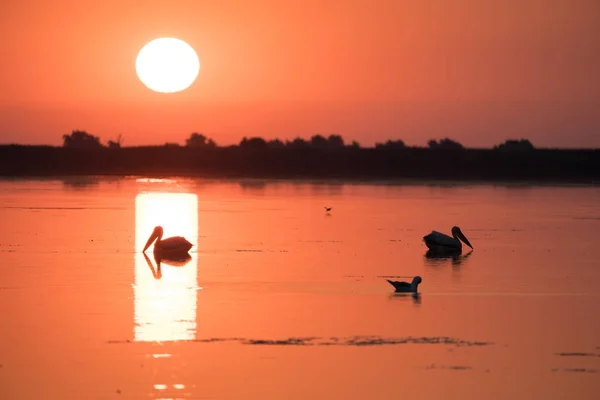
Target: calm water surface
x: 283, y: 301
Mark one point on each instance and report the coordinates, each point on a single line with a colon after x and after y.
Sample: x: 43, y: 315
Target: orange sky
x: 479, y: 71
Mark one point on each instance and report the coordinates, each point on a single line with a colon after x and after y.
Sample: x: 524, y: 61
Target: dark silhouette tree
x: 515, y: 145
x: 445, y: 144
x: 253, y: 143
x: 297, y: 143
x: 391, y: 144
x: 117, y: 144
x: 81, y: 140
x: 335, y: 141
x: 198, y: 140
x: 275, y: 144
x: 319, y: 142
x: 331, y: 142
x: 355, y: 145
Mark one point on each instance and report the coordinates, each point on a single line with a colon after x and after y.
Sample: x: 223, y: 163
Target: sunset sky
x: 479, y: 71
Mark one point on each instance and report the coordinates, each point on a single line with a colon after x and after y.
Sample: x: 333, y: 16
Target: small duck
x: 328, y: 209
x: 405, y: 287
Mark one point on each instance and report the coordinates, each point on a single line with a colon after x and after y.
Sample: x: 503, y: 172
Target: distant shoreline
x: 82, y: 181
x: 348, y: 163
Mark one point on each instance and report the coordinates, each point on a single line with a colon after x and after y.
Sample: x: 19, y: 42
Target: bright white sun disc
x: 167, y: 65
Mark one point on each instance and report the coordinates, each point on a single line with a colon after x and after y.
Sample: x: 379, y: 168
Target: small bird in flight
x: 327, y: 209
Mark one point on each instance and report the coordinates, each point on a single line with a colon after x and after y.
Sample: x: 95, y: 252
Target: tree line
x: 83, y: 139
x: 321, y: 156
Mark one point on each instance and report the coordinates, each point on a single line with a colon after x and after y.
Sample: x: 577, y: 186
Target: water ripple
x: 577, y: 354
x: 344, y: 341
x: 585, y: 370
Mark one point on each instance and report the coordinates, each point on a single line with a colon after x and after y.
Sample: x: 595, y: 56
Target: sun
x: 167, y: 65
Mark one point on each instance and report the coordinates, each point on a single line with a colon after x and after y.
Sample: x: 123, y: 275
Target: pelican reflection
x: 173, y: 261
x: 416, y: 297
x: 435, y: 259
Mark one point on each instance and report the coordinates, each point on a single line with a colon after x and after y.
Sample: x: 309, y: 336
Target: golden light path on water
x: 165, y: 298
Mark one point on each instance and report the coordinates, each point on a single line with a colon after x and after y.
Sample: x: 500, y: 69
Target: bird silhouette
x: 405, y: 287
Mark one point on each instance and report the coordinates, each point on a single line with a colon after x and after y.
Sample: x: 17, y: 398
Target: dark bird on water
x: 441, y: 243
x: 169, y: 246
x: 405, y: 287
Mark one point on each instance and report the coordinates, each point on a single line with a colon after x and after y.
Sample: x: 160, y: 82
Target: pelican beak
x: 464, y: 239
x: 151, y: 240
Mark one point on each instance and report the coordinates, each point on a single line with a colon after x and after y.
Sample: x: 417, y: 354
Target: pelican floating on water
x: 405, y: 287
x: 442, y: 243
x: 172, y: 245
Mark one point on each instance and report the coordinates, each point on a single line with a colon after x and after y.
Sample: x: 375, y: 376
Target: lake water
x: 281, y: 300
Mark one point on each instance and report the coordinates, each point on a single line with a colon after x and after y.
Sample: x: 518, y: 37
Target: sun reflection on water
x: 165, y: 292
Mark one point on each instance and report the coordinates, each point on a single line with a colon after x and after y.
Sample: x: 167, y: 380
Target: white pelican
x: 441, y: 243
x: 406, y: 287
x: 172, y: 245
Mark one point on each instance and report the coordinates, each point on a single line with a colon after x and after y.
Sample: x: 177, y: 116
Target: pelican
x: 405, y: 287
x: 441, y: 243
x: 172, y: 245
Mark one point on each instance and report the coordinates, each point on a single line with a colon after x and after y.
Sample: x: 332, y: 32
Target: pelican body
x: 169, y: 246
x: 441, y: 243
x: 405, y: 287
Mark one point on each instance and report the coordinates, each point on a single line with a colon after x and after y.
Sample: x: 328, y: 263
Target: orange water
x: 276, y: 291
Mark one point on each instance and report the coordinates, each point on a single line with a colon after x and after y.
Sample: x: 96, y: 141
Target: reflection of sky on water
x: 165, y: 308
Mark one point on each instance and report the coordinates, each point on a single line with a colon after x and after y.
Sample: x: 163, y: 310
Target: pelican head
x: 457, y: 233
x: 157, y: 233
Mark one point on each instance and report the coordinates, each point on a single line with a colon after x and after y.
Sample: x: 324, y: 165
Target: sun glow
x: 165, y: 301
x: 167, y: 65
